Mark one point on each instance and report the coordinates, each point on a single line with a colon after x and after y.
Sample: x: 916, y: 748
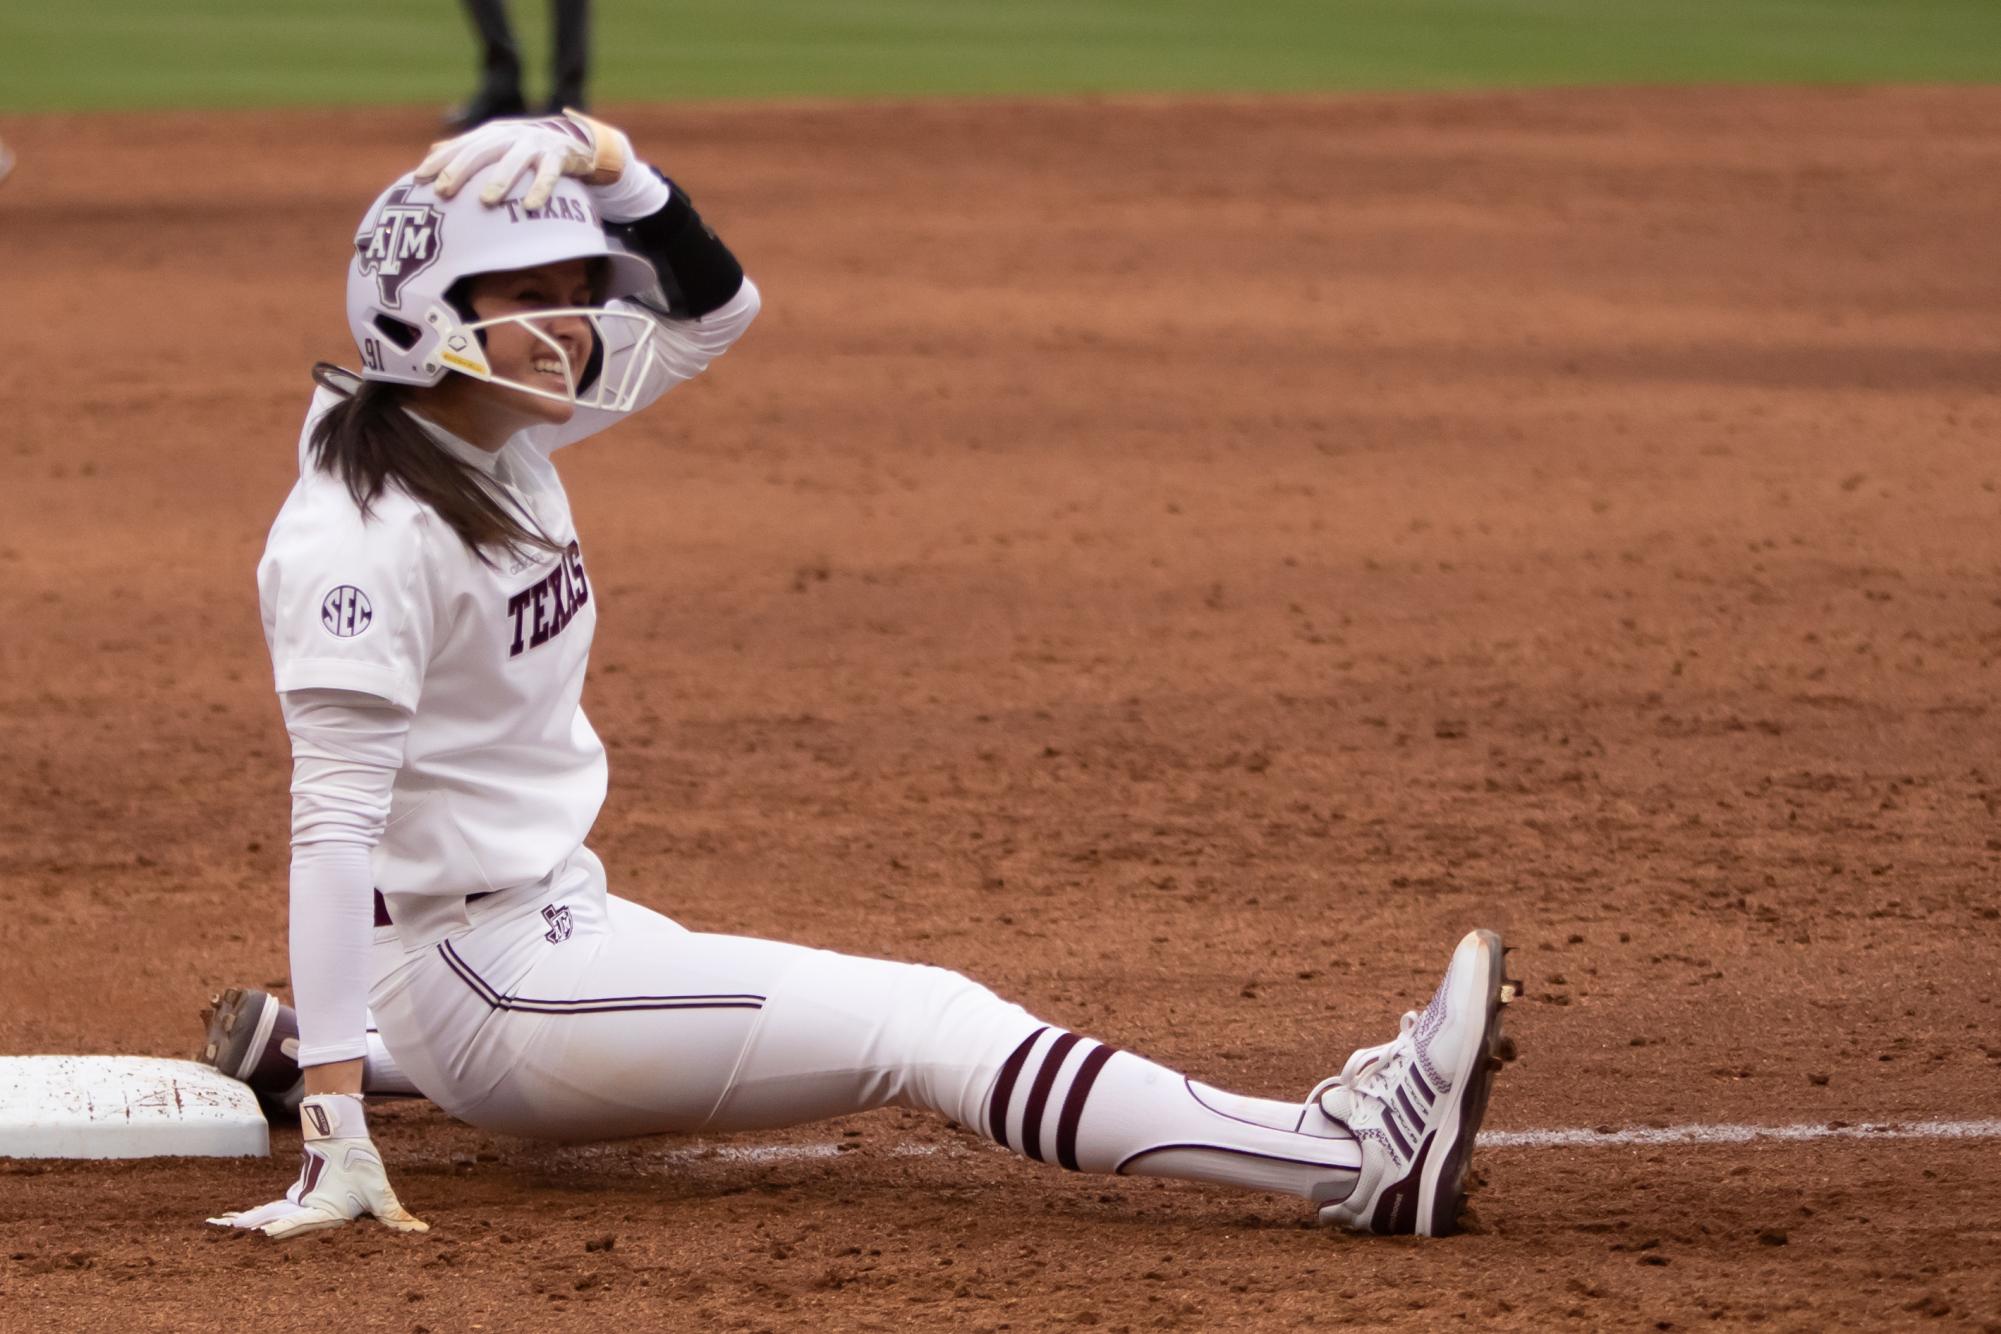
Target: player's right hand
x: 572, y: 144
x: 541, y: 149
x: 341, y: 1179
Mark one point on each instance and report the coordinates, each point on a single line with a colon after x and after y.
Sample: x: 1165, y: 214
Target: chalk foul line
x: 1737, y: 1134
x: 1489, y: 1139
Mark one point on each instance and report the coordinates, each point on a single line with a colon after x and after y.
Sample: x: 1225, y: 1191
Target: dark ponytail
x: 368, y: 441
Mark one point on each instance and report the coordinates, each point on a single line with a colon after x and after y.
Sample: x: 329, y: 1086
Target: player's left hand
x: 342, y: 1178
x: 572, y: 144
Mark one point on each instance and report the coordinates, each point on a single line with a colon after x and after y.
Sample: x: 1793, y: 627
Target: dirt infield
x: 1180, y: 564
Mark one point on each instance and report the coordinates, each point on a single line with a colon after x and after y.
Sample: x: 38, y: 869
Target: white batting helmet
x: 413, y: 246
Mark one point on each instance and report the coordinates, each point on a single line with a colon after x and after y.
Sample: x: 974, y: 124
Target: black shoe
x: 556, y: 106
x: 483, y: 107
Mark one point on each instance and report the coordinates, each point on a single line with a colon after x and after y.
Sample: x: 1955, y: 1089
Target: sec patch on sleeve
x: 345, y: 612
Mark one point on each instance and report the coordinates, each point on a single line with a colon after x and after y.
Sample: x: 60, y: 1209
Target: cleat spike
x: 1510, y: 990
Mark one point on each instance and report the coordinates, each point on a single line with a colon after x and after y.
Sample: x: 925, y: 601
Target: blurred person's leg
x: 499, y: 91
x: 572, y: 54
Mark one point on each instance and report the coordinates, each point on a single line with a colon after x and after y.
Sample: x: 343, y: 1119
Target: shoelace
x: 1367, y: 1072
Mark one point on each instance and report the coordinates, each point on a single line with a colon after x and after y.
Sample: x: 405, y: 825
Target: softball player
x: 429, y: 612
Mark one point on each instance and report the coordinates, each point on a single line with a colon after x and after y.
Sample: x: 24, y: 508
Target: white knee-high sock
x: 1092, y: 1108
x: 1299, y: 1117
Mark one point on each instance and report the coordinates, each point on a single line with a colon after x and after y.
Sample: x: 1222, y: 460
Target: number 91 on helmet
x: 406, y: 289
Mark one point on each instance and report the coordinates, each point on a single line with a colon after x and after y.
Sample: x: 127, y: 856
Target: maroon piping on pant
x: 588, y: 1004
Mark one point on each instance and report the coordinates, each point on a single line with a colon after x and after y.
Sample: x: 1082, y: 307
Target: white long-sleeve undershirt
x: 346, y: 750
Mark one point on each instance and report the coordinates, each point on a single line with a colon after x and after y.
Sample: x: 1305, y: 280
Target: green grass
x: 86, y: 54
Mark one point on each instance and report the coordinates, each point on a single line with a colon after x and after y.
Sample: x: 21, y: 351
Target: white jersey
x: 502, y: 774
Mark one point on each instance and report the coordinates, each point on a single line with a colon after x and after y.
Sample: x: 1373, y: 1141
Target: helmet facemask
x: 461, y: 347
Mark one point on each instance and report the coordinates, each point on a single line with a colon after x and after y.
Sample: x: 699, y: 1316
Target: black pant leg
x: 499, y: 57
x: 572, y: 49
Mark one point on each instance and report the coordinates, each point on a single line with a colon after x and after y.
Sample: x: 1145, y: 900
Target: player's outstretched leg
x: 252, y: 1036
x: 1403, y: 1114
x: 622, y: 1022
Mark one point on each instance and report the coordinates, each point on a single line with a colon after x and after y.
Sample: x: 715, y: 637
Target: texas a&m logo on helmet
x: 404, y: 241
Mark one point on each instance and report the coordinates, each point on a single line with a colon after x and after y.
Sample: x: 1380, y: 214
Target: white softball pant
x: 558, y: 1011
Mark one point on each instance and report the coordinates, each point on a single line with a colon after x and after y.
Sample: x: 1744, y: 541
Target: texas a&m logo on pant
x: 557, y: 915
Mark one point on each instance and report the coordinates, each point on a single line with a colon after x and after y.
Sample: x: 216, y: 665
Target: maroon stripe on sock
x: 1010, y: 1071
x: 1038, y: 1096
x: 1073, y: 1104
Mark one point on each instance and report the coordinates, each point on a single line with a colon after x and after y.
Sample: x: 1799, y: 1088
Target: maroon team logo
x: 404, y: 241
x: 557, y: 915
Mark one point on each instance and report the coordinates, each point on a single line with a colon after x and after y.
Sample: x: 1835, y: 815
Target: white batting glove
x: 341, y: 1180
x: 571, y: 144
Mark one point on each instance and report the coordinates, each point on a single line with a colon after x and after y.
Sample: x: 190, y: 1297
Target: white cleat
x: 1415, y: 1104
